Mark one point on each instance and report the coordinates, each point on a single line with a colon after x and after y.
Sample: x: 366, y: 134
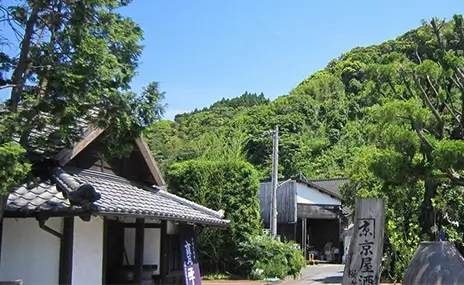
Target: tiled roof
x: 331, y: 185
x: 118, y: 197
x: 46, y: 139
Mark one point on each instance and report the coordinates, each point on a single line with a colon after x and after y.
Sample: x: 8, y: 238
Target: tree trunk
x: 21, y: 71
x: 428, y: 212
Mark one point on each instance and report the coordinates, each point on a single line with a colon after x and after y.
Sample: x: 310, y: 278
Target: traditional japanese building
x: 88, y: 220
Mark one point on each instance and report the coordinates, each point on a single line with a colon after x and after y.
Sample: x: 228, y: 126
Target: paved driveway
x: 320, y: 274
x: 311, y: 275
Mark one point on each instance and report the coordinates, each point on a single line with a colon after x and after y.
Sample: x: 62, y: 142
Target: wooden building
x: 88, y: 220
x: 309, y: 212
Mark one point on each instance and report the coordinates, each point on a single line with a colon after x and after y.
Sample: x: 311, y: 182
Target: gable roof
x: 83, y: 133
x: 330, y: 186
x: 44, y: 129
x: 119, y: 197
x: 63, y: 193
x: 150, y: 161
x: 65, y: 155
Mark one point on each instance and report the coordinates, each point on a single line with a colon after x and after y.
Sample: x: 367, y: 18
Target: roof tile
x: 331, y: 185
x: 118, y: 196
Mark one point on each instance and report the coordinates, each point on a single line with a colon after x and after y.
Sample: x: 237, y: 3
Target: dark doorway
x: 113, y: 252
x: 322, y: 232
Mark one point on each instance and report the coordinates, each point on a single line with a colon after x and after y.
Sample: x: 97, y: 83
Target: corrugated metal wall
x: 286, y: 202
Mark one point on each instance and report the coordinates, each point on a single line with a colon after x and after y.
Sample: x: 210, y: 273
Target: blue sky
x: 203, y: 50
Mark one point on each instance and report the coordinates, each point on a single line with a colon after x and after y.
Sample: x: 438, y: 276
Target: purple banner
x: 189, y: 255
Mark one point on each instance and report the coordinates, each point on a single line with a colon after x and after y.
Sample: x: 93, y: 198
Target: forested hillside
x: 322, y: 120
x: 389, y: 117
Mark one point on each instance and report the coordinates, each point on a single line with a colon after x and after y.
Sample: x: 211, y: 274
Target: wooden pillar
x: 164, y: 266
x: 340, y: 240
x: 138, y: 251
x: 303, y: 237
x: 105, y: 251
x: 295, y: 230
x: 66, y: 251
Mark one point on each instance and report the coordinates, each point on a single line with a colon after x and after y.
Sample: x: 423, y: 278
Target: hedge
x: 231, y: 186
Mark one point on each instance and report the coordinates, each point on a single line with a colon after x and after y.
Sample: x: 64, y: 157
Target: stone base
x: 435, y: 263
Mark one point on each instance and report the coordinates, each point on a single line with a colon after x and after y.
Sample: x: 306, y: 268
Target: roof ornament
x: 77, y: 192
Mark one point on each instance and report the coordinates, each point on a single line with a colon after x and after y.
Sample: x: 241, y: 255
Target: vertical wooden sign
x: 189, y: 255
x: 366, y: 248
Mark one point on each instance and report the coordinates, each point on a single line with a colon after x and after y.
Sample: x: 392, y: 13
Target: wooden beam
x: 138, y: 251
x: 66, y: 155
x: 150, y: 161
x: 146, y: 226
x: 66, y: 251
x: 366, y: 247
x: 163, y: 264
x: 314, y: 211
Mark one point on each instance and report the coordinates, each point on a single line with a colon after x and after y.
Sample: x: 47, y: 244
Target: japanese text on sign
x: 189, y: 262
x: 364, y: 275
x: 188, y: 253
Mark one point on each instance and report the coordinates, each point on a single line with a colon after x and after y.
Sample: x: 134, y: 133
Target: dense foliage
x: 70, y: 61
x: 390, y: 117
x: 231, y: 186
x: 261, y: 257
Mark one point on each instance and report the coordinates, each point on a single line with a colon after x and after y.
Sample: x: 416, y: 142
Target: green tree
x: 388, y: 116
x: 230, y: 185
x: 416, y: 138
x: 75, y: 62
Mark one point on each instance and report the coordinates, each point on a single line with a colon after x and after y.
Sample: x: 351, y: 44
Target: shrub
x: 228, y: 185
x: 262, y: 256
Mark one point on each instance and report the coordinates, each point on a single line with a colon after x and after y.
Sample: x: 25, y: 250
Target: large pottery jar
x: 435, y: 263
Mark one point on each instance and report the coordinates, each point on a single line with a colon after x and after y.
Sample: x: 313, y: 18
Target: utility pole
x: 275, y: 181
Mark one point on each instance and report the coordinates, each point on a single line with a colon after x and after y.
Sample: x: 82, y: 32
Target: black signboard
x: 189, y: 255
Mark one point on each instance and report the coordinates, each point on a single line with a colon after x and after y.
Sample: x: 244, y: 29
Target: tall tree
x: 416, y: 137
x: 390, y: 116
x: 75, y: 61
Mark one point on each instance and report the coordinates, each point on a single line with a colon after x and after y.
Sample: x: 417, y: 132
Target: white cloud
x: 171, y: 113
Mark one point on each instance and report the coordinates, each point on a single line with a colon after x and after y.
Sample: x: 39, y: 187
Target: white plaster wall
x: 87, y: 251
x: 30, y: 253
x: 172, y: 228
x: 152, y: 246
x: 308, y: 195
